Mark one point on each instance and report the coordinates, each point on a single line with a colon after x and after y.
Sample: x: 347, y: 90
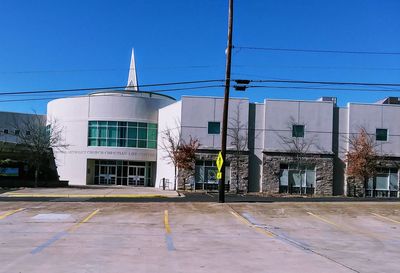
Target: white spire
x: 132, y: 78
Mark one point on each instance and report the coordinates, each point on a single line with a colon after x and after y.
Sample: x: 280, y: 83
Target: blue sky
x: 77, y: 44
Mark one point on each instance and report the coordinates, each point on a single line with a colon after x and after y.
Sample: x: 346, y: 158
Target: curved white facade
x: 77, y: 163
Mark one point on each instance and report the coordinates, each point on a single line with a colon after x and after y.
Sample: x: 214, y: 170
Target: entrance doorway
x: 107, y: 174
x: 136, y: 175
x: 124, y: 173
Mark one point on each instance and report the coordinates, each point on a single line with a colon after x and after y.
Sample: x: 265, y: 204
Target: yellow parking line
x: 248, y: 223
x: 74, y: 227
x: 345, y: 228
x: 166, y: 222
x: 8, y: 213
x: 324, y: 220
x: 386, y: 218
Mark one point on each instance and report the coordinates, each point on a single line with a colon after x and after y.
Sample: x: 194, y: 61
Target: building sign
x: 132, y: 155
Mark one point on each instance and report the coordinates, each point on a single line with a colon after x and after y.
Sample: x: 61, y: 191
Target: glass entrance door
x: 136, y: 175
x: 107, y: 174
x: 124, y: 173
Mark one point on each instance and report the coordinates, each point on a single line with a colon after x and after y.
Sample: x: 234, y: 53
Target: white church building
x: 114, y: 138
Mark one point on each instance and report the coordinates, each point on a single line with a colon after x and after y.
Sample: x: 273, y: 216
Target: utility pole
x: 226, y: 102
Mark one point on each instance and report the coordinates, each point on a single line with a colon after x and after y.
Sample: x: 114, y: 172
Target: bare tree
x: 298, y: 147
x: 186, y: 157
x: 40, y: 139
x: 178, y: 152
x: 238, y: 132
x: 170, y: 142
x: 362, y: 157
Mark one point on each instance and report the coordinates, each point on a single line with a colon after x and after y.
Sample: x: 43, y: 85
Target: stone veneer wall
x: 355, y: 187
x: 243, y: 184
x: 323, y: 168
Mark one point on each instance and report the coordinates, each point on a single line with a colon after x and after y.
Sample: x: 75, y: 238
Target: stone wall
x: 242, y: 171
x: 323, y: 167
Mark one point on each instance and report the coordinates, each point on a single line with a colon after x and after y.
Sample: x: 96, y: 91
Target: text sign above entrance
x: 220, y: 161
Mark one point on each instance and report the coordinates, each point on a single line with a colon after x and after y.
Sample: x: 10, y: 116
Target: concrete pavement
x: 199, y: 237
x: 92, y: 192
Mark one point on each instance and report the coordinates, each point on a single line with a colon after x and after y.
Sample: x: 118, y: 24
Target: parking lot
x: 199, y: 237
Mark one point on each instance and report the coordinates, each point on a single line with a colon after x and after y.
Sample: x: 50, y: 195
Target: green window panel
x: 93, y: 131
x: 152, y: 144
x: 381, y: 134
x: 121, y: 142
x: 152, y: 134
x: 103, y: 132
x: 142, y: 133
x: 152, y: 126
x: 298, y: 130
x: 132, y: 124
x: 112, y: 142
x: 122, y: 134
x: 132, y: 143
x: 142, y: 143
x: 112, y: 132
x: 214, y: 128
x: 102, y: 142
x: 132, y: 133
x: 92, y: 142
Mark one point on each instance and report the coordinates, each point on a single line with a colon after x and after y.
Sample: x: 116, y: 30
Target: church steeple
x: 132, y: 78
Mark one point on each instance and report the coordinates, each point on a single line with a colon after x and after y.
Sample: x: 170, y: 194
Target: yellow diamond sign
x: 220, y: 161
x: 219, y: 175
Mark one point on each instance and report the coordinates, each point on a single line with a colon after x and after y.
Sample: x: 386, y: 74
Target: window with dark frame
x: 122, y: 134
x: 214, y: 127
x: 381, y: 134
x: 298, y: 130
x: 384, y: 184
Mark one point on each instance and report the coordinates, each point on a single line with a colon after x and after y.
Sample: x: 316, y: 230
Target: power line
x: 320, y: 67
x: 106, y: 88
x: 328, y: 82
x: 318, y: 50
x: 322, y: 88
x: 286, y: 81
x: 113, y: 94
x: 219, y: 86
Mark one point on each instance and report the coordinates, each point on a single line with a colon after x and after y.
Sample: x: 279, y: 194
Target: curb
x: 88, y: 195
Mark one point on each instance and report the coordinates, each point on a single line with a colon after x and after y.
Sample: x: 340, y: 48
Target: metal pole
x: 226, y: 103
